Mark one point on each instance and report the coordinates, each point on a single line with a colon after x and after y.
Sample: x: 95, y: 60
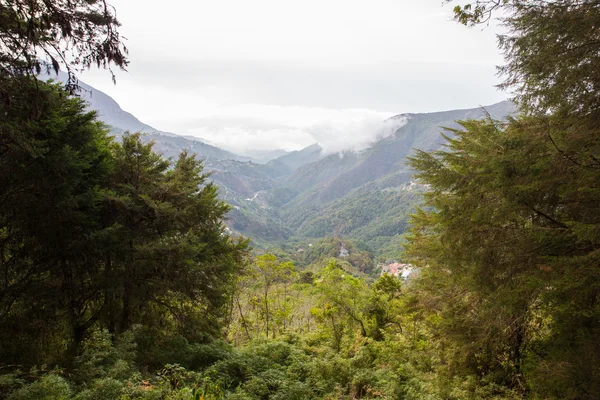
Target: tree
x: 55, y: 161
x: 509, y: 248
x: 268, y: 272
x: 96, y: 234
x: 551, y: 49
x: 72, y: 33
x: 509, y: 253
x: 385, y: 305
x: 166, y: 251
x: 343, y: 303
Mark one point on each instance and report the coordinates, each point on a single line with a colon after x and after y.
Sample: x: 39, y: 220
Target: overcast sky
x: 285, y: 74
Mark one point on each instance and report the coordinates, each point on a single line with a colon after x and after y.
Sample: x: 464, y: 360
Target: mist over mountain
x: 370, y: 194
x: 366, y: 195
x: 364, y: 192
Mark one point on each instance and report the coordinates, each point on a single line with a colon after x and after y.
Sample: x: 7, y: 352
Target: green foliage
x: 55, y: 164
x: 509, y: 242
x: 264, y: 301
x: 563, y: 32
x: 49, y: 387
x: 116, y: 264
x: 280, y: 370
x: 102, y: 389
x: 480, y: 11
x: 538, y: 31
x: 37, y: 36
x: 102, y: 358
x: 310, y: 253
x: 167, y: 250
x: 100, y: 235
x: 509, y: 249
x: 341, y: 303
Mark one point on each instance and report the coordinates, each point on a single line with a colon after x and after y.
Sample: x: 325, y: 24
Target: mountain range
x: 365, y: 195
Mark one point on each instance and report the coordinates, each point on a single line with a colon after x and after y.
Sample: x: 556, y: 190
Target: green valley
x: 449, y: 255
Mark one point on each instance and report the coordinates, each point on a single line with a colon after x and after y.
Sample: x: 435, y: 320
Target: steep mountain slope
x: 254, y: 192
x: 171, y: 145
x: 298, y: 158
x: 168, y: 144
x: 246, y: 185
x: 369, y: 195
x: 366, y: 195
x: 264, y: 156
x: 337, y: 174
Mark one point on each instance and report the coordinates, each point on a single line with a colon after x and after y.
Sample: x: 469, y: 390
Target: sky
x: 267, y: 74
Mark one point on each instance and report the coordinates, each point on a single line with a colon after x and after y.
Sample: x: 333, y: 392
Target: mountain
x: 298, y: 158
x: 109, y: 111
x: 339, y: 173
x: 255, y: 194
x: 367, y: 195
x: 264, y: 156
x: 119, y: 121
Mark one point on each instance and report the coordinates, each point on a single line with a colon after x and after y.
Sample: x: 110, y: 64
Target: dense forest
x: 120, y: 280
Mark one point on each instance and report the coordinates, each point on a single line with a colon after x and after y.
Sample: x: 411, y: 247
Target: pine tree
x: 55, y: 161
x: 43, y: 35
x: 95, y: 234
x: 167, y: 252
x: 509, y: 251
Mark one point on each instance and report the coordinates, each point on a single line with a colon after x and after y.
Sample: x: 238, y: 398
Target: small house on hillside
x: 399, y: 270
x: 344, y: 252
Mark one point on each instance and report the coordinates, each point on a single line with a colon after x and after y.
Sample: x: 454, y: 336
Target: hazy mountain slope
x: 168, y: 144
x: 369, y: 195
x: 337, y: 175
x: 264, y: 156
x: 253, y: 190
x: 298, y: 158
x: 109, y: 111
x: 322, y: 171
x: 365, y: 195
x: 244, y: 179
x: 172, y: 145
x: 241, y: 183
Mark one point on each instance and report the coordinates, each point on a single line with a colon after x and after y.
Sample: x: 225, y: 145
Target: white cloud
x: 254, y: 126
x: 353, y: 134
x: 267, y: 73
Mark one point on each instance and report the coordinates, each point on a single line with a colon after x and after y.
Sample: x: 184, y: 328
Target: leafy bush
x: 102, y: 389
x: 49, y: 387
x: 101, y: 358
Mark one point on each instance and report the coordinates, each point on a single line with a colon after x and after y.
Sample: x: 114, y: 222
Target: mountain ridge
x: 119, y: 121
x: 366, y: 195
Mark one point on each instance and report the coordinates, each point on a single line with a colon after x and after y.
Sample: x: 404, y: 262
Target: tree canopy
x: 44, y: 35
x: 100, y: 234
x: 509, y: 244
x: 551, y: 50
x: 118, y: 278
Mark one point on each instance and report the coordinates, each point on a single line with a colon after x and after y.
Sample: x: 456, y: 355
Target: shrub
x: 49, y: 387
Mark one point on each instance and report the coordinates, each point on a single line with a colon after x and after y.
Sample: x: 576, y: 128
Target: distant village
x: 390, y: 267
x: 399, y: 270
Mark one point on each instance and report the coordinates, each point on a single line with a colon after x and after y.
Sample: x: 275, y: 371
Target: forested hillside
x: 122, y: 278
x: 306, y: 193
